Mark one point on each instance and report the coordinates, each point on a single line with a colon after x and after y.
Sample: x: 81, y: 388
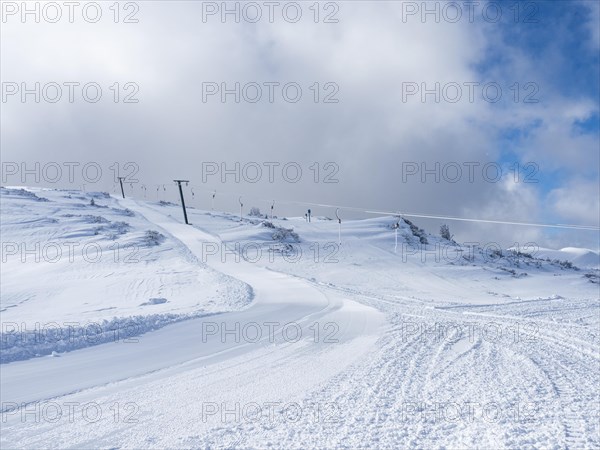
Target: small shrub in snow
x: 153, y: 238
x: 445, y: 232
x: 281, y: 234
x: 94, y: 219
x: 117, y: 229
x: 99, y: 194
x: 255, y: 212
x: 593, y: 278
x: 496, y: 253
x: 417, y: 232
x: 123, y: 212
x: 519, y: 254
x: 566, y: 264
x: 96, y: 205
x: 23, y: 193
x: 283, y: 248
x: 285, y: 235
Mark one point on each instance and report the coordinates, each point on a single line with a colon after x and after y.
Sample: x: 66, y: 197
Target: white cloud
x: 369, y: 133
x: 577, y: 202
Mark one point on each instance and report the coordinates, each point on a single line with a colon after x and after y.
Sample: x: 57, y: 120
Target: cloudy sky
x: 465, y: 109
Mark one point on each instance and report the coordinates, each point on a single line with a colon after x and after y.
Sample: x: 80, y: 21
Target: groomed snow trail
x: 192, y: 363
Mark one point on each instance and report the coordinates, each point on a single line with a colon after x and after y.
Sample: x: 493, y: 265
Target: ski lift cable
x: 416, y: 215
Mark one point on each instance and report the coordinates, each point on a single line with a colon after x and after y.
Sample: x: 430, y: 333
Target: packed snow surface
x: 270, y: 333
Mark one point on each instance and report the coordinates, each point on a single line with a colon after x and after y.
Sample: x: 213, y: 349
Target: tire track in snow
x: 531, y: 382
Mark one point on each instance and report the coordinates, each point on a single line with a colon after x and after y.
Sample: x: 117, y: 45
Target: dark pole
x: 182, y: 200
x: 121, y: 183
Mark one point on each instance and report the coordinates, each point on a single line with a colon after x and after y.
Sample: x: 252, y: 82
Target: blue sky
x: 561, y: 53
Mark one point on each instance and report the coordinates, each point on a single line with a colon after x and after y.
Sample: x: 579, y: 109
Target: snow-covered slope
x: 414, y: 343
x: 79, y: 267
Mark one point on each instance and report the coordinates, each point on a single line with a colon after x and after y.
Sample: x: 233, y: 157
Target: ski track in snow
x: 391, y: 381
